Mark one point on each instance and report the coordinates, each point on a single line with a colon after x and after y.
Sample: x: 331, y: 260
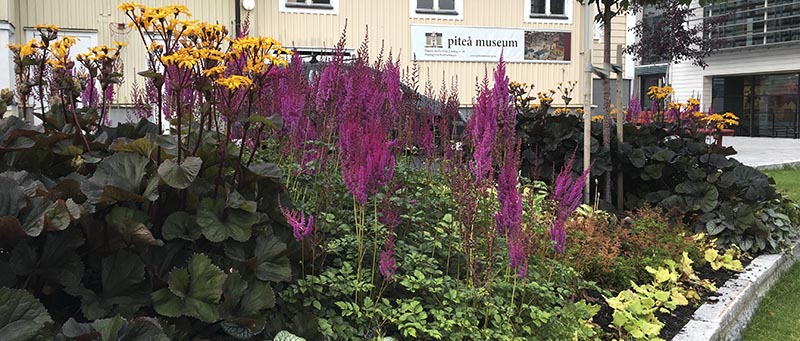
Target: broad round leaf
x: 180, y: 176
x: 22, y: 316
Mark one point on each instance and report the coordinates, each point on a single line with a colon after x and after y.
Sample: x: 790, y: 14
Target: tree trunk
x: 607, y: 16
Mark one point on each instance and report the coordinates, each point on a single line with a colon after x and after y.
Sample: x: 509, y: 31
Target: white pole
x: 587, y: 94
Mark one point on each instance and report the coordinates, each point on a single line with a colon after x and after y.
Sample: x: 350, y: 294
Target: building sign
x: 485, y: 44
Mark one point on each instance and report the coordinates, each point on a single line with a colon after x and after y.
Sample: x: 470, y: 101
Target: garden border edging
x: 725, y: 316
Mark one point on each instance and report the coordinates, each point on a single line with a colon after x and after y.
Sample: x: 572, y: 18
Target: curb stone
x: 728, y: 312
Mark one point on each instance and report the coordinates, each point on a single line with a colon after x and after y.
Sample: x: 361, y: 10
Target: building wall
x: 389, y: 24
x: 688, y: 80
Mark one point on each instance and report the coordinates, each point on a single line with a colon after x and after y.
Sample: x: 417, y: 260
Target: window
x: 437, y: 9
x: 554, y: 11
x: 754, y: 22
x: 310, y: 6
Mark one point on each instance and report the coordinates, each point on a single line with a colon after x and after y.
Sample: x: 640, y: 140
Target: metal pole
x: 620, y: 119
x: 587, y: 97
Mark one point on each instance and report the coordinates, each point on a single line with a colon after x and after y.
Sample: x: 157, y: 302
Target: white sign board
x: 485, y: 44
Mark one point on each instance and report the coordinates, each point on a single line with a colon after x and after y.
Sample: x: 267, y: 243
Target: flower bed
x: 348, y: 206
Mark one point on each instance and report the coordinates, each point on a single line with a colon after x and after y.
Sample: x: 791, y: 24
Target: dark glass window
x: 557, y: 7
x: 447, y: 5
x: 425, y: 4
x: 538, y: 7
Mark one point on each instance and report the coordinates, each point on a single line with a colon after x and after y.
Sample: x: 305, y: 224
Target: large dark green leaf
x: 753, y: 185
x: 181, y: 225
x: 266, y: 170
x: 143, y: 146
x: 22, y: 316
x: 15, y: 133
x: 637, y: 158
x: 182, y: 175
x: 131, y: 225
x: 193, y: 291
x: 12, y: 197
x: 115, y: 329
x: 118, y: 177
x: 243, y: 302
x: 56, y: 261
x: 34, y: 220
x: 266, y: 259
x: 219, y: 223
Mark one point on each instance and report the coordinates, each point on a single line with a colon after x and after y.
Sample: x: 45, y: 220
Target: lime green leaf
x: 274, y: 122
x: 22, y: 316
x: 109, y: 328
x: 180, y: 176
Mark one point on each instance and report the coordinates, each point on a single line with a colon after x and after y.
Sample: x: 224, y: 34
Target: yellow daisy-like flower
x: 40, y: 27
x: 219, y: 69
x: 119, y: 44
x: 128, y: 6
x: 597, y: 118
x: 234, y: 82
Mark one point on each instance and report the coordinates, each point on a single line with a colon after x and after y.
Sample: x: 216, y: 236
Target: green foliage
x: 22, y: 317
x: 430, y: 296
x: 673, y: 168
x: 127, y: 230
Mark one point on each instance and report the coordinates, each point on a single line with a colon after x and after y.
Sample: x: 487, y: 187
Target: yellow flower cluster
x: 234, y: 82
x: 659, y: 92
x: 27, y: 49
x: 597, y: 118
x: 60, y: 51
x: 721, y: 121
x: 561, y: 111
x: 261, y: 52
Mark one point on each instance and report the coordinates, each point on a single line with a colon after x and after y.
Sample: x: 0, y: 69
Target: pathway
x: 764, y: 152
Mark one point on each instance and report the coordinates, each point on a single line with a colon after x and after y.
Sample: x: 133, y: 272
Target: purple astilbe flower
x: 292, y: 92
x: 506, y: 114
x: 634, y: 109
x: 567, y: 194
x: 89, y: 95
x: 388, y: 265
x: 482, y: 130
x: 301, y: 227
x: 510, y: 215
x: 367, y: 159
x: 391, y: 78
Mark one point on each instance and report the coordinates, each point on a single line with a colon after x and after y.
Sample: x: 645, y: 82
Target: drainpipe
x: 587, y: 95
x: 237, y: 10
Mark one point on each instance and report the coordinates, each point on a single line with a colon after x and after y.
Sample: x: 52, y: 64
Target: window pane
x: 537, y: 6
x: 557, y: 7
x: 326, y: 2
x: 449, y: 5
x: 425, y: 4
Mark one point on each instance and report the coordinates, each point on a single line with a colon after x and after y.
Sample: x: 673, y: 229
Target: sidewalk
x: 765, y: 152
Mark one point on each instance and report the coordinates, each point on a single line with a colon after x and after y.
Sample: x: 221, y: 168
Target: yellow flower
x: 597, y: 118
x: 29, y: 48
x: 214, y: 70
x: 119, y: 44
x: 40, y: 27
x: 234, y: 82
x: 128, y: 6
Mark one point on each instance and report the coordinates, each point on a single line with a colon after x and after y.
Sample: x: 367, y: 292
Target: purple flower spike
x: 297, y: 220
x: 567, y: 193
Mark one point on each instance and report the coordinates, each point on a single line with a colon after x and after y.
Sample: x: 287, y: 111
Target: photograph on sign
x: 541, y: 45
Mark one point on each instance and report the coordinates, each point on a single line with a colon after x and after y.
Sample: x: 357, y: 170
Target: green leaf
x: 287, y: 336
x: 193, y: 291
x: 219, y: 223
x: 12, y: 197
x: 266, y: 170
x: 117, y: 178
x: 130, y: 224
x: 34, y: 220
x: 181, y: 225
x: 274, y: 122
x: 271, y: 266
x: 121, y: 272
x: 637, y: 157
x: 180, y: 176
x: 22, y: 316
x: 109, y: 328
x: 143, y: 146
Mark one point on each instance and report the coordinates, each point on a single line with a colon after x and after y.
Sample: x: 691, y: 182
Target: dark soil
x: 673, y: 323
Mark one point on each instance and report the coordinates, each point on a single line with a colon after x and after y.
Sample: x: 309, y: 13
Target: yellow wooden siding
x: 102, y: 16
x: 388, y: 21
x: 389, y: 25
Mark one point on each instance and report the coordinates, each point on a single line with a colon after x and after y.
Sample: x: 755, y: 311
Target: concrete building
x: 542, y: 40
x: 755, y: 73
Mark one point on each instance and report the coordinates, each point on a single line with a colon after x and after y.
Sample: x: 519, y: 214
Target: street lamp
x: 248, y: 5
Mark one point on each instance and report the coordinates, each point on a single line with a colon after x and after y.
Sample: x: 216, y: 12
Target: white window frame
x: 547, y: 17
x: 445, y: 15
x: 309, y: 8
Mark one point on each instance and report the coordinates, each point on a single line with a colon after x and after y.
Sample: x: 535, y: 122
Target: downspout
x: 237, y: 4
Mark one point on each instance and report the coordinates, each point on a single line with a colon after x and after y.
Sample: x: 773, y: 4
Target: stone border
x: 778, y: 166
x: 726, y: 314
